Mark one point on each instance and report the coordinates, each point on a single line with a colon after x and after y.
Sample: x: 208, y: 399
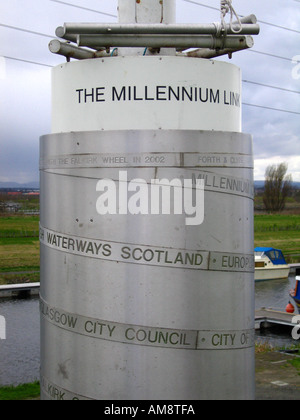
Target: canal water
x: 275, y: 294
x: 20, y: 352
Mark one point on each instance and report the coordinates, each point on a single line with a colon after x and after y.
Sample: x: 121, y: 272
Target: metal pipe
x: 247, y: 19
x: 208, y: 53
x: 157, y: 29
x: 69, y: 51
x: 168, y: 41
x: 60, y: 33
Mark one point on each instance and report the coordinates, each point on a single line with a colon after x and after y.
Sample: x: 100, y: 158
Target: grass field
x: 279, y: 231
x: 19, y: 242
x: 19, y: 249
x: 20, y: 392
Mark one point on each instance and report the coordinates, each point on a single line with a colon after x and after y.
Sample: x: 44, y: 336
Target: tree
x: 278, y: 185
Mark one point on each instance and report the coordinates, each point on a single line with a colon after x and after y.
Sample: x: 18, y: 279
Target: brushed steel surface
x: 121, y: 316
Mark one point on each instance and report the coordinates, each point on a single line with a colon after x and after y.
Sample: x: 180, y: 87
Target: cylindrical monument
x: 146, y: 229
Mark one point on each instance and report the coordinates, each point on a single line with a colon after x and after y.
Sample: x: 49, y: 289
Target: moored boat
x: 270, y: 264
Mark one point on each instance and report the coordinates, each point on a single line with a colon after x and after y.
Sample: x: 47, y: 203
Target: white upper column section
x: 147, y: 11
x: 146, y: 93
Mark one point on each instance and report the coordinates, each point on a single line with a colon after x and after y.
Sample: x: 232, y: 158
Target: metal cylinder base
x: 140, y: 300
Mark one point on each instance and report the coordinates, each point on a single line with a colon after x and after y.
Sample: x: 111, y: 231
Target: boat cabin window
x: 258, y: 254
x: 276, y: 256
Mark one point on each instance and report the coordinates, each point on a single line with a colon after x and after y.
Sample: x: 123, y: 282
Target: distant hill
x: 36, y: 185
x: 261, y: 184
x: 16, y: 185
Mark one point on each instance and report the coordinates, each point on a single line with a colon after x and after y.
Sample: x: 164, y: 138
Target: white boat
x: 270, y: 264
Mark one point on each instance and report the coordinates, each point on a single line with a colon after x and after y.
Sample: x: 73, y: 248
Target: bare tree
x: 278, y: 185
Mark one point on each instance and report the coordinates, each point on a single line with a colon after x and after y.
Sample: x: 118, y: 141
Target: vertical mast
x: 147, y: 11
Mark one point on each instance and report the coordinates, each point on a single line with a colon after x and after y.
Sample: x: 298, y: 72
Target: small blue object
x: 275, y: 255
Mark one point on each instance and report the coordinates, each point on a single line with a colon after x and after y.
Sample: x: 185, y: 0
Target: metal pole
x: 166, y: 41
x: 70, y: 51
x: 158, y: 29
x: 146, y: 12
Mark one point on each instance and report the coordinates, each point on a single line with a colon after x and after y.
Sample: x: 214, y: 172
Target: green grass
x: 19, y: 244
x: 277, y: 222
x: 296, y: 363
x: 30, y: 277
x: 20, y: 392
x: 19, y: 257
x: 279, y: 231
x: 19, y: 227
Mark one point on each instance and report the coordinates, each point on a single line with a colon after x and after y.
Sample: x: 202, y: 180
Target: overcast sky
x: 25, y: 69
